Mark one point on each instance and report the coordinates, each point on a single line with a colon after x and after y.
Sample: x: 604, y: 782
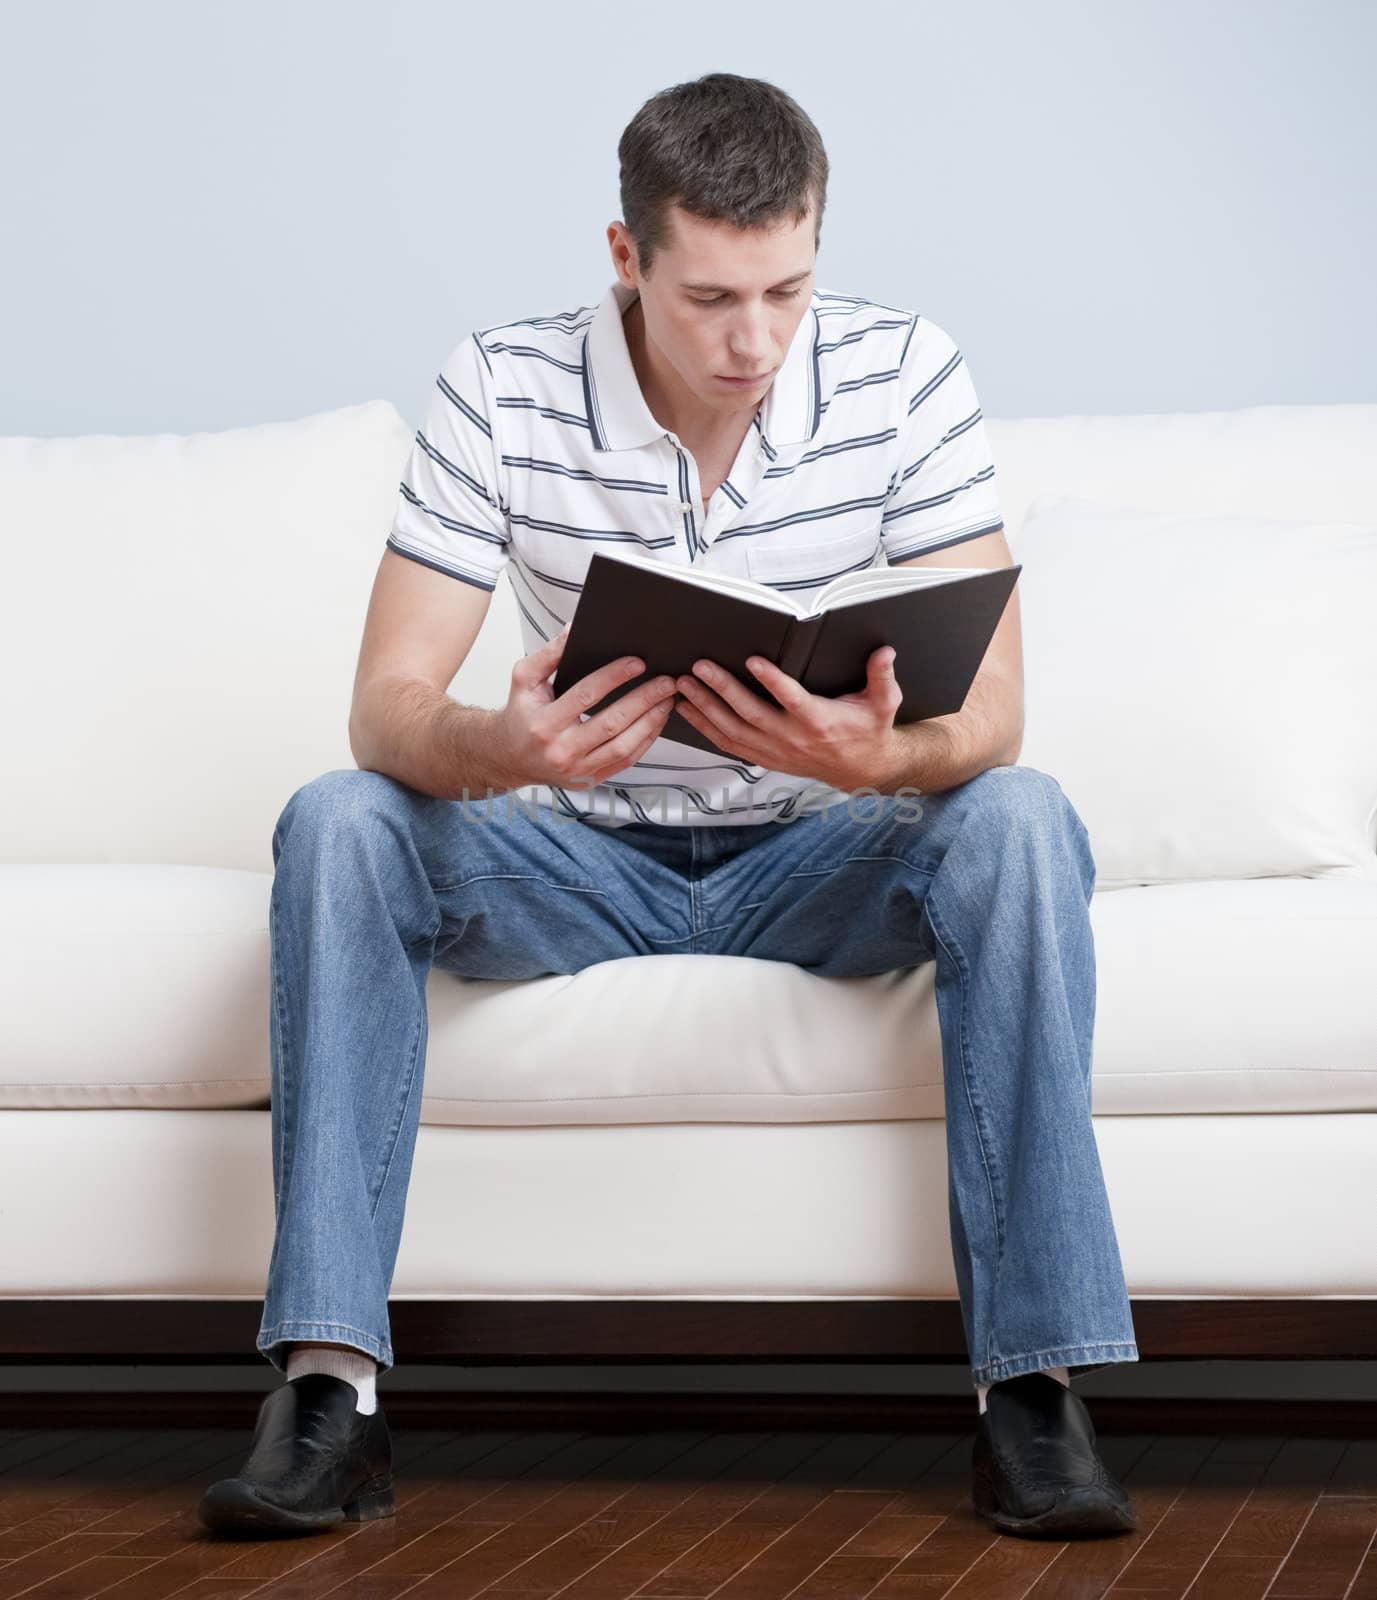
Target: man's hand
x: 844, y: 740
x: 541, y: 739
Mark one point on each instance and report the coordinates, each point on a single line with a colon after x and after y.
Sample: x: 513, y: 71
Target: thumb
x: 541, y: 663
x: 879, y: 671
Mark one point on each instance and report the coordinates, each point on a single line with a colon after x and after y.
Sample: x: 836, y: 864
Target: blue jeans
x: 376, y: 882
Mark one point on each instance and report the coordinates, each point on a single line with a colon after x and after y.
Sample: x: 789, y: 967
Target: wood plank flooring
x: 687, y: 1515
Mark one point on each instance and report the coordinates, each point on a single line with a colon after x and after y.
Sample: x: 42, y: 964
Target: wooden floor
x: 688, y: 1514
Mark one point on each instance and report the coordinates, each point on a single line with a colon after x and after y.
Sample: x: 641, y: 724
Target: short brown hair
x: 723, y: 147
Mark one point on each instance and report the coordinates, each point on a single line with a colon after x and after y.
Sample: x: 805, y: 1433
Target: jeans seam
x: 819, y: 872
x: 284, y: 1076
x: 1064, y: 1349
x: 277, y: 1334
x: 1069, y: 1355
x: 954, y: 954
x: 401, y: 1114
x: 695, y: 888
x: 504, y: 877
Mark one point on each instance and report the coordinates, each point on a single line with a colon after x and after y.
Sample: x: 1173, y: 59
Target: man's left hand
x: 844, y: 740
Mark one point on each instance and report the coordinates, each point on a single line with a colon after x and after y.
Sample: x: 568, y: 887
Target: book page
x: 853, y: 587
x: 722, y: 582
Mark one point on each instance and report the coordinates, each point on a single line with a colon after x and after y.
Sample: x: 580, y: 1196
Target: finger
x: 627, y: 747
x: 879, y: 666
x: 540, y: 662
x: 732, y: 697
x: 618, y: 721
x: 788, y: 691
x: 727, y: 731
x: 595, y: 686
x: 881, y: 685
x: 695, y: 719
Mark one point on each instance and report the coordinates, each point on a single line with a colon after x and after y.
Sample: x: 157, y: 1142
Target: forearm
x: 942, y: 752
x: 412, y: 731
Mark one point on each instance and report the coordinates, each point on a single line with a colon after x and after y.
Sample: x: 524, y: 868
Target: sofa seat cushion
x: 131, y: 985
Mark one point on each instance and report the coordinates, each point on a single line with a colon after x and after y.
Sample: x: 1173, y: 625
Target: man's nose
x: 750, y: 342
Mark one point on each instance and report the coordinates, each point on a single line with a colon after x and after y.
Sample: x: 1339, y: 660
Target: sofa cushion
x: 1204, y: 688
x: 200, y: 671
x: 1292, y: 462
x: 144, y: 986
x: 182, y: 616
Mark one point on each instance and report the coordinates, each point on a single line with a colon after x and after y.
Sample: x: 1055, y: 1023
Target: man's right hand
x: 541, y: 739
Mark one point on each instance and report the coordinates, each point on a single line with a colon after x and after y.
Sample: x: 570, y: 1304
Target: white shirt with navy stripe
x: 537, y: 449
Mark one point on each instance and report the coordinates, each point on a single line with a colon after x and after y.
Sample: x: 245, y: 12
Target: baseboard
x: 618, y: 1413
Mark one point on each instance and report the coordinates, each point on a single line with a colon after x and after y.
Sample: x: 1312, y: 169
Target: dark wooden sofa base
x: 68, y: 1330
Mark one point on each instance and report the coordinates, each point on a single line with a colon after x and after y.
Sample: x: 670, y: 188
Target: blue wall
x: 221, y: 214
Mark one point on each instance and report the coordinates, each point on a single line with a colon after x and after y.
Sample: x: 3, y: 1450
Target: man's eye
x: 782, y: 294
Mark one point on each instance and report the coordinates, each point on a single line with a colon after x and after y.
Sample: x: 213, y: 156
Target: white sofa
x: 181, y: 617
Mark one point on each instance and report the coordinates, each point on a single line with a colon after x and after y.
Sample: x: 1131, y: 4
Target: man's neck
x: 708, y: 436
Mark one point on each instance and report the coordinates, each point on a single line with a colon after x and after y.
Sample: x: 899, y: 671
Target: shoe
x: 1034, y: 1468
x: 316, y: 1460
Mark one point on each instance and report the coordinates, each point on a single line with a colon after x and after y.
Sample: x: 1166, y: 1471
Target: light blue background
x: 221, y: 214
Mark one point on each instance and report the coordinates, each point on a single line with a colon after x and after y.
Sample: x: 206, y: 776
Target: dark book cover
x: 940, y: 633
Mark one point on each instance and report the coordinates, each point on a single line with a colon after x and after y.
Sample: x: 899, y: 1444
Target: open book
x: 940, y: 621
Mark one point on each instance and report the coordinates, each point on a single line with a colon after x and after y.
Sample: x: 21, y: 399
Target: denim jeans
x: 375, y: 883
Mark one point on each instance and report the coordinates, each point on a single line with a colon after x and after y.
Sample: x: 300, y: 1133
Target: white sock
x: 1059, y: 1373
x: 354, y: 1366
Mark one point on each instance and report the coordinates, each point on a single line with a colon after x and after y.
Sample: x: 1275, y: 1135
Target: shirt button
x: 686, y: 505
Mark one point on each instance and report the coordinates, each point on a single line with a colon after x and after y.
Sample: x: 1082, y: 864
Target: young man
x: 717, y: 410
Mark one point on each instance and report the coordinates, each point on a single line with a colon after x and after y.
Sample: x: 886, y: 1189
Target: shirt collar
x: 619, y: 419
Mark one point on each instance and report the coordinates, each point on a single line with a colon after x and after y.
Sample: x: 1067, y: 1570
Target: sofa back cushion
x: 1291, y: 462
x: 181, y: 618
x: 181, y: 615
x: 1204, y: 688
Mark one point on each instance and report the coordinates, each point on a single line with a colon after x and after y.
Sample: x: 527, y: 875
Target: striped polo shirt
x: 537, y: 449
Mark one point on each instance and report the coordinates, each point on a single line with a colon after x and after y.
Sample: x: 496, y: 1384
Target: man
x: 714, y: 410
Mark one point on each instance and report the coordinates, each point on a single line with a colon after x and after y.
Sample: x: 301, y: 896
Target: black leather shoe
x: 1035, y: 1470
x: 315, y: 1461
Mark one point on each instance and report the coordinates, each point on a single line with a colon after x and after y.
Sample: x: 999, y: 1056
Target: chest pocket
x: 808, y: 566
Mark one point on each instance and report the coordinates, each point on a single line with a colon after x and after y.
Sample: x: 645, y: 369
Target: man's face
x: 724, y: 302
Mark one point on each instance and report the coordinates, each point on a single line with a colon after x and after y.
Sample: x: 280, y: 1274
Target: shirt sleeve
x: 451, y: 512
x: 943, y: 489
